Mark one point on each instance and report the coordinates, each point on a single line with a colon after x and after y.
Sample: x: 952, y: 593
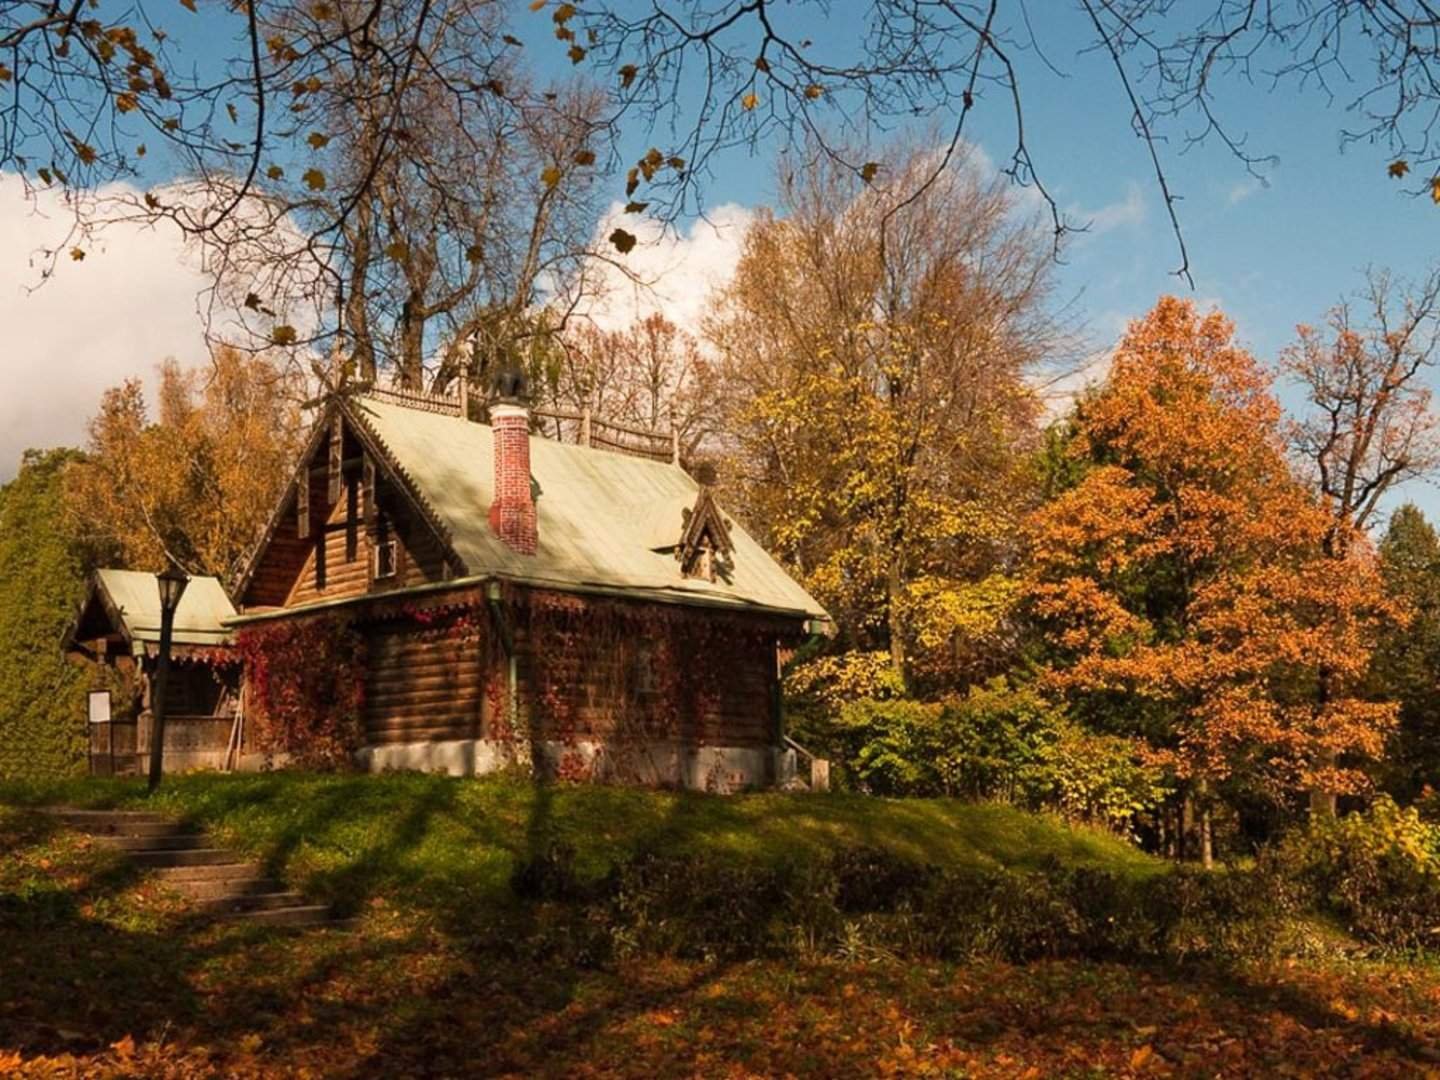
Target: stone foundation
x: 722, y: 769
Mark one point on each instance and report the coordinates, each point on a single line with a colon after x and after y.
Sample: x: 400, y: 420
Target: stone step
x: 138, y: 829
x: 254, y: 901
x: 179, y: 841
x: 299, y: 915
x: 225, y: 871
x: 185, y: 857
x: 103, y: 822
x: 226, y: 888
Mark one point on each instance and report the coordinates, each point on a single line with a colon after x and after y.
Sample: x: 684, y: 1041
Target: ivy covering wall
x: 42, y: 580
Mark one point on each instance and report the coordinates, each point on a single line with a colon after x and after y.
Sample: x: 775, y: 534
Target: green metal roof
x: 135, y: 595
x: 601, y: 515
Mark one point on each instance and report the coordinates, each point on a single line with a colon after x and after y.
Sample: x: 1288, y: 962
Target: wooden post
x: 674, y: 444
x: 585, y: 426
x: 464, y: 394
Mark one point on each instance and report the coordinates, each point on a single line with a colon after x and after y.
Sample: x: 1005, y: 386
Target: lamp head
x: 172, y: 581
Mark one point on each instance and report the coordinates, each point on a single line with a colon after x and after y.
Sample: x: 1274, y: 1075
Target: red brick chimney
x: 512, y: 513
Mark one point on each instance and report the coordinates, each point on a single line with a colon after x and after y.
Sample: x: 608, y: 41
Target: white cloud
x: 1238, y: 193
x: 677, y: 269
x: 1130, y: 210
x: 127, y: 306
x: 1058, y: 392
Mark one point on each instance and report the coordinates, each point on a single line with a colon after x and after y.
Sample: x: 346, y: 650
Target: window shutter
x: 367, y: 491
x: 302, y: 505
x: 337, y: 451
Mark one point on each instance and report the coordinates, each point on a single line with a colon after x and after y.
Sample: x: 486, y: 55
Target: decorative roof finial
x: 509, y: 385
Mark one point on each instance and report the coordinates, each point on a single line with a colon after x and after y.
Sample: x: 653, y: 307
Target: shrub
x: 865, y: 902
x: 700, y: 907
x: 1379, y: 870
x: 997, y: 742
x: 548, y: 875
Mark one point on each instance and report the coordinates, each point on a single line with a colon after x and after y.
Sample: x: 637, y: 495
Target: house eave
x: 680, y: 598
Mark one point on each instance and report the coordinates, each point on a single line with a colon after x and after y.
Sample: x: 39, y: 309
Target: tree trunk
x: 1206, y: 834
x: 357, y: 312
x: 1322, y: 801
x: 893, y: 587
x: 1187, y: 825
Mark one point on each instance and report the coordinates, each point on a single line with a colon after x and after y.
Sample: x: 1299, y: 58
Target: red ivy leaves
x: 306, y: 680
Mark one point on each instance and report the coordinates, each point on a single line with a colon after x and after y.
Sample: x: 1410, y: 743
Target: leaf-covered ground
x: 104, y: 974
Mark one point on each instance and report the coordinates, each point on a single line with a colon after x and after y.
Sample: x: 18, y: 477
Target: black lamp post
x: 172, y: 582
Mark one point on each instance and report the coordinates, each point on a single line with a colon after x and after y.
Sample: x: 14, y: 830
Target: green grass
x: 451, y: 844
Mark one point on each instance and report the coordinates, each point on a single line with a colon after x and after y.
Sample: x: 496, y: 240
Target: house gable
x: 347, y: 526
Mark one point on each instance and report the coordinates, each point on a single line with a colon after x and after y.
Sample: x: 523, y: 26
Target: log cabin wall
x: 628, y: 688
x: 427, y: 681
x: 434, y: 678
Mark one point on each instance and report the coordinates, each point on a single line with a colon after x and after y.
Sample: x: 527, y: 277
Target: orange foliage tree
x: 1182, y: 579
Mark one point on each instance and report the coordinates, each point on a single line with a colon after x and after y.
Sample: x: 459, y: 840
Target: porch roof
x: 132, y: 597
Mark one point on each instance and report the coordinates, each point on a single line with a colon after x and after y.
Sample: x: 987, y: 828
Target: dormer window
x: 705, y: 551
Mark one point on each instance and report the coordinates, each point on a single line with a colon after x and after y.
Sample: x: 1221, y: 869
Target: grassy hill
x: 102, y: 974
x: 437, y: 841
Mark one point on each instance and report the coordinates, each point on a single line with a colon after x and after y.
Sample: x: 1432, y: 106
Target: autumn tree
x: 1369, y: 425
x: 874, y: 352
x: 1183, y: 581
x: 194, y: 484
x: 425, y: 215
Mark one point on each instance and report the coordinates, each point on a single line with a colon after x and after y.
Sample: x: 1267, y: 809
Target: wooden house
x: 117, y: 631
x: 511, y: 599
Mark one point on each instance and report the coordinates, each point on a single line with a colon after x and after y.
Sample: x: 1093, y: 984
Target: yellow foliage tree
x: 879, y: 412
x: 194, y: 486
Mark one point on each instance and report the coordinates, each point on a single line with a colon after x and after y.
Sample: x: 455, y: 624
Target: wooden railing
x: 585, y: 429
x: 447, y: 404
x: 562, y: 425
x: 817, y: 769
x: 119, y: 747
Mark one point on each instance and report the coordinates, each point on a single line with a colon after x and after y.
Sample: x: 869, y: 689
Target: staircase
x: 221, y: 884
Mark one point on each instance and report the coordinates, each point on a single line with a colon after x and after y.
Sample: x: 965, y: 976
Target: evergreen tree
x: 1407, y: 665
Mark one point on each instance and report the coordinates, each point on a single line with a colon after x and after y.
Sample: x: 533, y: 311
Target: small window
x: 647, y: 675
x: 385, y: 560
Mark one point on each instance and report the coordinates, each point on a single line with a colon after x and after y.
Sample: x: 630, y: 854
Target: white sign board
x: 99, y: 706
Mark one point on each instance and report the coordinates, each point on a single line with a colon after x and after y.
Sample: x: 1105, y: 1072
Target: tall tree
x: 195, y: 485
x: 1407, y: 664
x: 42, y: 578
x: 874, y: 353
x: 1184, y: 583
x: 428, y: 211
x: 1369, y: 425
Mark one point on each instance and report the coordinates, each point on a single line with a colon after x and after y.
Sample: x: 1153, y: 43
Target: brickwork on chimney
x: 512, y: 513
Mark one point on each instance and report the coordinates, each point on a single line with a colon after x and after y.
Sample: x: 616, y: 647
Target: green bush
x: 866, y: 902
x: 1378, y: 870
x: 999, y: 742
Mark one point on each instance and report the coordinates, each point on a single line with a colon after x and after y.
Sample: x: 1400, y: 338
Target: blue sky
x: 1270, y: 255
